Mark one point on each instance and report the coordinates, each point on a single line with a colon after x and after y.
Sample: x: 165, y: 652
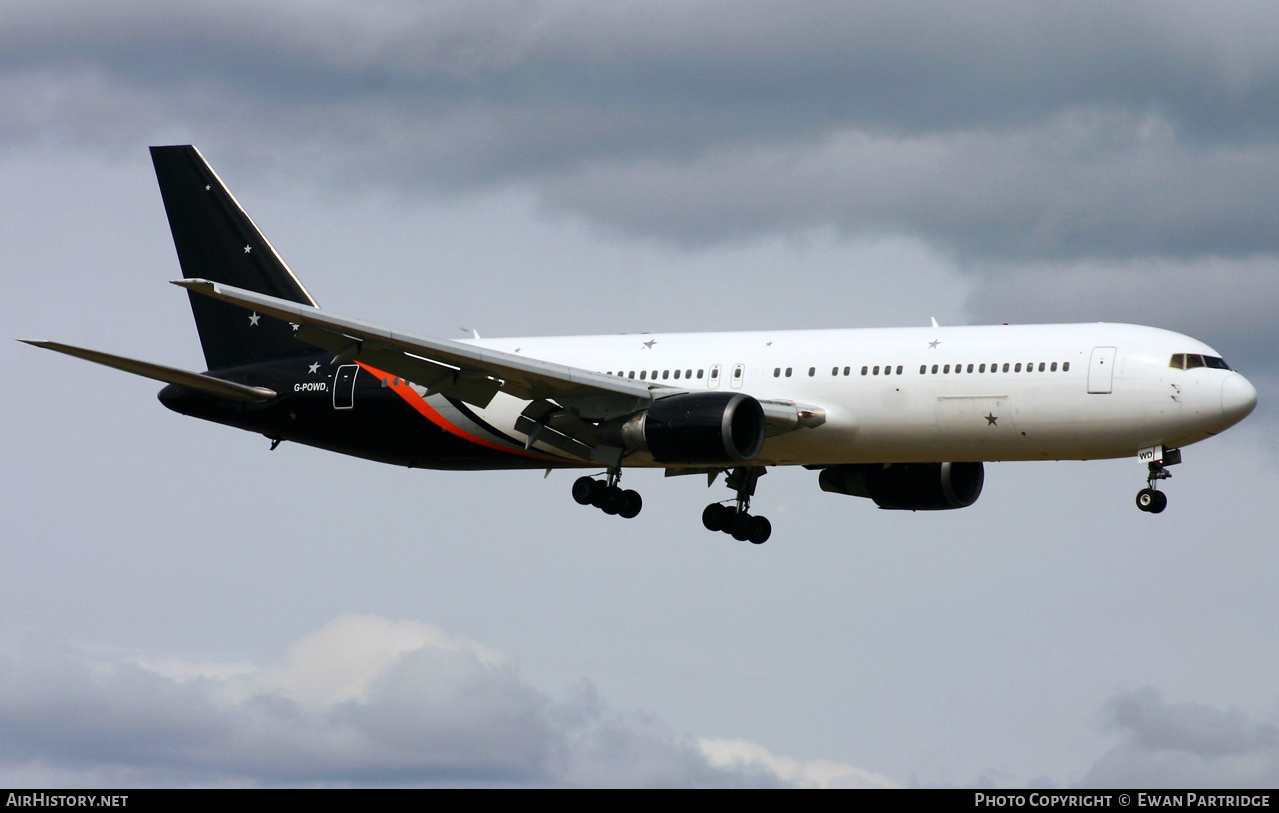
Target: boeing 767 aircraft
x: 903, y: 416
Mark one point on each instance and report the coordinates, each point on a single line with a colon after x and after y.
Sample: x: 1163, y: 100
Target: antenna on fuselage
x: 934, y: 318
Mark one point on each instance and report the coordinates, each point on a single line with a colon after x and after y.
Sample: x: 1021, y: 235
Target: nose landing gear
x: 736, y: 519
x: 608, y: 496
x: 1150, y: 499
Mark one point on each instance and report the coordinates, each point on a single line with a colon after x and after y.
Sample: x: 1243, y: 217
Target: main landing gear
x: 607, y: 496
x: 1150, y: 499
x: 736, y: 519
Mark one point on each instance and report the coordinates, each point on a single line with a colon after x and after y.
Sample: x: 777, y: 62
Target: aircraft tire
x: 633, y: 502
x: 599, y: 490
x: 1147, y: 498
x: 742, y: 526
x: 714, y: 517
x: 1160, y: 503
x: 761, y: 530
x: 582, y: 489
x: 614, y: 501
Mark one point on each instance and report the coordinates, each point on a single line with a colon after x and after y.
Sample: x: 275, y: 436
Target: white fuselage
x: 1030, y: 392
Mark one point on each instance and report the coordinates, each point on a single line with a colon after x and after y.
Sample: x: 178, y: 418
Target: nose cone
x: 1238, y: 398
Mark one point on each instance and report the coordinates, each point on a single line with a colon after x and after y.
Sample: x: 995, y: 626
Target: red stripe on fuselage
x: 403, y: 389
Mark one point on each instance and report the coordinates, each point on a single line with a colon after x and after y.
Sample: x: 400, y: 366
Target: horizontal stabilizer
x: 169, y: 375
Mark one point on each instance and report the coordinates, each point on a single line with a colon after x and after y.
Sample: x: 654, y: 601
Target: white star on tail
x: 253, y: 320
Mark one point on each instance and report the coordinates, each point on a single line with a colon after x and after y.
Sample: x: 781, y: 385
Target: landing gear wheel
x: 1160, y: 503
x: 582, y: 488
x: 714, y: 517
x: 631, y: 504
x: 742, y: 526
x: 1148, y: 498
x: 599, y: 490
x: 614, y: 501
x: 761, y: 530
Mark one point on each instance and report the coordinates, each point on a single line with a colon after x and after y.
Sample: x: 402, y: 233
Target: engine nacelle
x: 908, y: 486
x: 700, y: 427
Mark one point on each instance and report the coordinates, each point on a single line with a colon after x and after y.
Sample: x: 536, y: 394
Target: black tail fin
x: 217, y: 241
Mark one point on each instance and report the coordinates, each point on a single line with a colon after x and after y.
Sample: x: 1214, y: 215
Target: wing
x: 565, y: 403
x: 469, y: 373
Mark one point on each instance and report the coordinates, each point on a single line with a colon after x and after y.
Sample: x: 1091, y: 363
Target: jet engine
x: 908, y: 486
x: 702, y: 427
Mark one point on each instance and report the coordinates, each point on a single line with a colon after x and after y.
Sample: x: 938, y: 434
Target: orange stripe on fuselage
x: 410, y: 395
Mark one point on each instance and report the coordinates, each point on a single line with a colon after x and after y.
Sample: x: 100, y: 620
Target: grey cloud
x: 764, y: 67
x: 432, y: 711
x: 992, y: 130
x: 1097, y: 185
x: 1185, y: 745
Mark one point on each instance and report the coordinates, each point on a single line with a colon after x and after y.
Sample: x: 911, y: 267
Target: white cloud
x: 818, y: 773
x: 365, y: 701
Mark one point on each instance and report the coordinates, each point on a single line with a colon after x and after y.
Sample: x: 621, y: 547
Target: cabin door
x: 1101, y: 370
x: 344, y: 386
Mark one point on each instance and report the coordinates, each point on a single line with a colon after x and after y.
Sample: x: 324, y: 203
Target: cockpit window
x: 1189, y: 361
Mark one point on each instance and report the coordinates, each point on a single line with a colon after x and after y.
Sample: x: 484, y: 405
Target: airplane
x: 903, y: 416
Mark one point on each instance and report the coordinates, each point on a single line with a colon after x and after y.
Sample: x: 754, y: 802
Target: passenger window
x: 864, y: 369
x: 1017, y: 369
x: 737, y: 371
x: 777, y: 372
x: 981, y: 369
x: 934, y: 369
x: 812, y: 371
x: 699, y: 373
x: 923, y: 368
x: 631, y: 374
x: 1005, y: 366
x: 899, y: 369
x: 970, y: 368
x: 876, y: 370
x: 846, y: 371
x: 788, y: 372
x: 1041, y: 366
x: 1053, y: 367
x: 643, y: 375
x: 1065, y: 367
x: 946, y: 369
x: 677, y: 374
x: 666, y: 374
x: 714, y: 372
x: 834, y: 371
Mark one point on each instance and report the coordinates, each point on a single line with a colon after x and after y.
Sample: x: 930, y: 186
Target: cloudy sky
x: 180, y: 606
